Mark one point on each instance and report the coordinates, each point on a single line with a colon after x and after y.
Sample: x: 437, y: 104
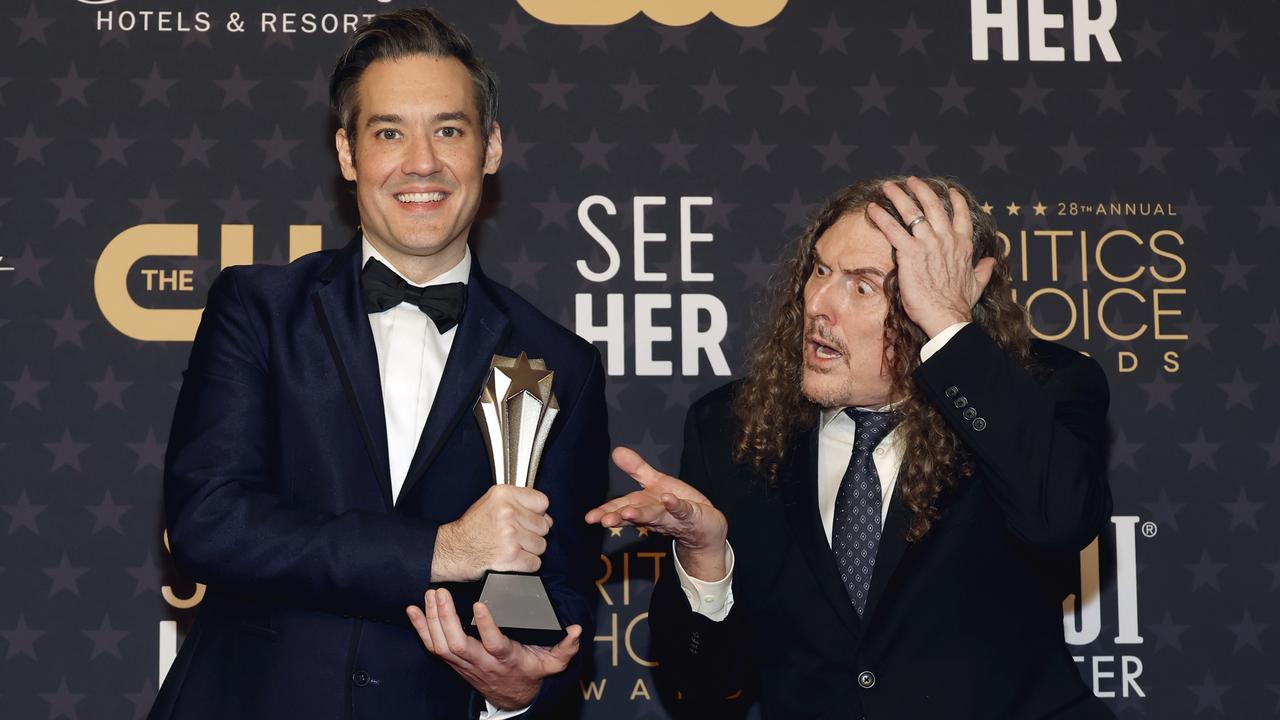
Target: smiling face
x: 419, y: 161
x: 845, y: 310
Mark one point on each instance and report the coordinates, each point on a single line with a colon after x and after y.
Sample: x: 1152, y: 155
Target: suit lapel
x: 483, y: 328
x: 893, y: 543
x: 799, y: 485
x: 340, y: 310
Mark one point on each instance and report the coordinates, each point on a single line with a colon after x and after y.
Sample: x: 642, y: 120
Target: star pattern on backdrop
x: 72, y: 87
x: 714, y: 93
x: 112, y: 147
x: 110, y: 128
x: 236, y: 88
x: 833, y: 36
x: 155, y: 88
x: 195, y: 147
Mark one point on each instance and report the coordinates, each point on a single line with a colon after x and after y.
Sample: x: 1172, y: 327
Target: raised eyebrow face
x: 868, y: 271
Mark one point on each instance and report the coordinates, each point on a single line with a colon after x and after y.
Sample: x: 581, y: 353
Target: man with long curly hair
x: 882, y: 518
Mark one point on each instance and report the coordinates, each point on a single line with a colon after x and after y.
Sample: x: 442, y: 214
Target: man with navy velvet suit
x: 880, y: 520
x: 325, y: 475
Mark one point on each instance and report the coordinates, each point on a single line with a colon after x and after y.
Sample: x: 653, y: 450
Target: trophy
x: 515, y: 410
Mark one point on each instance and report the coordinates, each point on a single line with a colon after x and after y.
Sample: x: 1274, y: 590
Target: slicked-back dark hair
x: 393, y: 35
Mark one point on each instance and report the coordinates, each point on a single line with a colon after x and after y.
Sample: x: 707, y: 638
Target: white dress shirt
x: 411, y: 357
x: 835, y: 447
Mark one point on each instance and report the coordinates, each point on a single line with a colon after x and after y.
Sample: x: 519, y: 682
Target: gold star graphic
x: 1013, y: 208
x: 986, y: 208
x: 615, y: 532
x: 643, y: 532
x: 1040, y: 208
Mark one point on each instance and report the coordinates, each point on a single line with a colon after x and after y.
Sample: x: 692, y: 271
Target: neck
x: 419, y: 269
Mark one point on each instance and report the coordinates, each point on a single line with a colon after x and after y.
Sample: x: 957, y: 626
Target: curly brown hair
x: 772, y: 410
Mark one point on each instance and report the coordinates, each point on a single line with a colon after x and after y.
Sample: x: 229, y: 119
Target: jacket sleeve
x: 704, y: 666
x: 228, y: 525
x: 1038, y: 439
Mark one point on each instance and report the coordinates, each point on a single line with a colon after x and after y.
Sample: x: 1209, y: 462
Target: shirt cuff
x: 712, y: 599
x: 491, y: 712
x: 938, y: 341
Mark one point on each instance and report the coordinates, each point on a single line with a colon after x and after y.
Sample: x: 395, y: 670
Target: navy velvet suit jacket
x: 277, y: 497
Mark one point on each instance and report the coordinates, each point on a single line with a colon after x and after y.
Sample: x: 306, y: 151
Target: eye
x: 865, y: 288
x: 821, y: 270
x: 388, y: 134
x: 449, y: 132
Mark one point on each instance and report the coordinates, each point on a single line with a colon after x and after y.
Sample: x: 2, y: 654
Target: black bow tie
x: 384, y: 289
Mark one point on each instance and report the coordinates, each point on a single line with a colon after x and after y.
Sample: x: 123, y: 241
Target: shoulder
x: 274, y: 281
x: 715, y: 408
x: 1053, y: 363
x: 1057, y: 358
x: 533, y: 332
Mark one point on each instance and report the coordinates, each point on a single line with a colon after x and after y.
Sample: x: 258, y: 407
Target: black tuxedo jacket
x: 966, y: 623
x: 278, y: 497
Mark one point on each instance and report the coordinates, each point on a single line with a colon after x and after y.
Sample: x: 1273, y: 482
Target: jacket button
x: 867, y: 679
x: 961, y: 401
x: 969, y: 413
x: 359, y: 678
x: 951, y: 391
x: 979, y: 424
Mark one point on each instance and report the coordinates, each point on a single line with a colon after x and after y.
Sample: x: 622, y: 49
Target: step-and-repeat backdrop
x: 658, y: 156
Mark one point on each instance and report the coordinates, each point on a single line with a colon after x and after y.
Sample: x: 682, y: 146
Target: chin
x: 822, y: 390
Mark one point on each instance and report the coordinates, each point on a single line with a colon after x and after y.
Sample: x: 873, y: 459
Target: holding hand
x: 938, y: 279
x: 507, y: 673
x: 505, y: 530
x: 669, y: 506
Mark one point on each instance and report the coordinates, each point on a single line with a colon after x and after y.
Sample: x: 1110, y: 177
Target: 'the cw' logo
x: 110, y: 280
x: 743, y: 13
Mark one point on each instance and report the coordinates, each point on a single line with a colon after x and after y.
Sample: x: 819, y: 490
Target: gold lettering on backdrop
x: 600, y: 582
x: 640, y: 690
x: 110, y: 279
x: 1158, y: 312
x: 1182, y: 264
x: 631, y: 626
x: 1102, y: 321
x: 1102, y: 267
x: 1134, y: 294
x: 743, y: 13
x: 170, y: 597
x: 611, y: 638
x: 592, y: 691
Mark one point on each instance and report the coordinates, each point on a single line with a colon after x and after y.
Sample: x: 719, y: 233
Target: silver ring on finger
x: 911, y: 226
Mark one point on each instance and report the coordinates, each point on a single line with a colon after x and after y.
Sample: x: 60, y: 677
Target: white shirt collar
x: 458, y: 273
x: 829, y: 414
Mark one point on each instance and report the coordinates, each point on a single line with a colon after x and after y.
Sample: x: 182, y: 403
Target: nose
x: 420, y: 157
x: 817, y: 299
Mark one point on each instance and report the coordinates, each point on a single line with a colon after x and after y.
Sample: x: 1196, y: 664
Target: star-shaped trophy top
x: 529, y: 377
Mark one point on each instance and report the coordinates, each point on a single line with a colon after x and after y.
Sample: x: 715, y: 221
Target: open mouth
x: 421, y: 198
x: 822, y: 351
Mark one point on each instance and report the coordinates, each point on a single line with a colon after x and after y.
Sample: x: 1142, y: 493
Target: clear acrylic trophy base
x: 520, y: 607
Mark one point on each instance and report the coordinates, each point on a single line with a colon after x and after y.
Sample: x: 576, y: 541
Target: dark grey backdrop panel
x: 1146, y: 178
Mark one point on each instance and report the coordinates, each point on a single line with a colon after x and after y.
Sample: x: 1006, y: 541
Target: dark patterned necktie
x: 855, y: 531
x: 383, y: 289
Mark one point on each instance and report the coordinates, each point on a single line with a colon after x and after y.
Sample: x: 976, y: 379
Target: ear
x: 346, y: 156
x: 493, y: 154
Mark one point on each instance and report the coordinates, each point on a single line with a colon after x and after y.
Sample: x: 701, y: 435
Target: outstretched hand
x: 939, y: 281
x: 507, y: 673
x: 669, y: 506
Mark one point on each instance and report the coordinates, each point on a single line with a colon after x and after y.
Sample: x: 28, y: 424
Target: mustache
x: 814, y: 329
